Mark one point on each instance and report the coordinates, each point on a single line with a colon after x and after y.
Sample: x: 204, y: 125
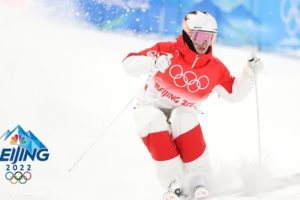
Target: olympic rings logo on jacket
x: 188, y: 79
x: 18, y: 176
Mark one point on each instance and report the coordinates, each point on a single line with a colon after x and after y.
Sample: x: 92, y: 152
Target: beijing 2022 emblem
x: 18, y: 150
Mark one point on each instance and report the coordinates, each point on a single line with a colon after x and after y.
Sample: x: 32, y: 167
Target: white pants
x: 175, y: 142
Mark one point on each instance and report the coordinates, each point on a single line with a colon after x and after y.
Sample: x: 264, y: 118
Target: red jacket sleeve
x: 225, y: 80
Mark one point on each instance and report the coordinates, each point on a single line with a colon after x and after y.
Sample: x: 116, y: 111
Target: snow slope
x: 64, y: 82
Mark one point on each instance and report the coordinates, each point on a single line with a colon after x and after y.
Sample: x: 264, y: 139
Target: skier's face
x: 201, y: 48
x: 201, y: 40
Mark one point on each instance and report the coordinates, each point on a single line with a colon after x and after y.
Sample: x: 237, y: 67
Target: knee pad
x: 150, y: 119
x: 187, y: 134
x: 182, y: 120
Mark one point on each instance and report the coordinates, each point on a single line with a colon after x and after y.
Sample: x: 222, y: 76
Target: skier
x: 184, y: 72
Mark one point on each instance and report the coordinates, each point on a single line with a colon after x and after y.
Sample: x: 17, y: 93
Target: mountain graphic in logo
x: 24, y: 139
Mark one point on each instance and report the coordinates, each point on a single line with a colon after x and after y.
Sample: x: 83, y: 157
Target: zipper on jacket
x: 196, y: 59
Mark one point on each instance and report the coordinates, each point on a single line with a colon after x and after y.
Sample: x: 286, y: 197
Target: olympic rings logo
x: 18, y: 176
x: 290, y: 15
x: 188, y: 79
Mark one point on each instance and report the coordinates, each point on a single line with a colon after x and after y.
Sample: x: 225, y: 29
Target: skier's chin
x: 201, y: 50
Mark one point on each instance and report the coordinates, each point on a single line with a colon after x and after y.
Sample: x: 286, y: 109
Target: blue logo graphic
x: 24, y: 146
x: 21, y: 146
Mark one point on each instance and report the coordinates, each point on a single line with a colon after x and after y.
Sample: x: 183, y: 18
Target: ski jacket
x: 190, y: 78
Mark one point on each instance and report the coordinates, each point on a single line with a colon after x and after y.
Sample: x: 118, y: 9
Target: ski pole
x: 258, y: 121
x: 253, y: 55
x: 102, y: 133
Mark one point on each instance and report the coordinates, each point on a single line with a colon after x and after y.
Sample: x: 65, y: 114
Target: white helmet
x: 200, y: 21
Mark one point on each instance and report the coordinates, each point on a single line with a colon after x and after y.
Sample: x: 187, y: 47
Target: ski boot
x: 175, y: 192
x: 200, y: 192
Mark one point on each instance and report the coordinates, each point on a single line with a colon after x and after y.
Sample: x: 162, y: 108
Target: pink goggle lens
x: 200, y: 37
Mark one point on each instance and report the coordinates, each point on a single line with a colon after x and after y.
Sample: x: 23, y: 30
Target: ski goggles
x: 200, y: 37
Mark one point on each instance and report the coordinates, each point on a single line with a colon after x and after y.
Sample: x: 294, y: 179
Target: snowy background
x: 63, y: 81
